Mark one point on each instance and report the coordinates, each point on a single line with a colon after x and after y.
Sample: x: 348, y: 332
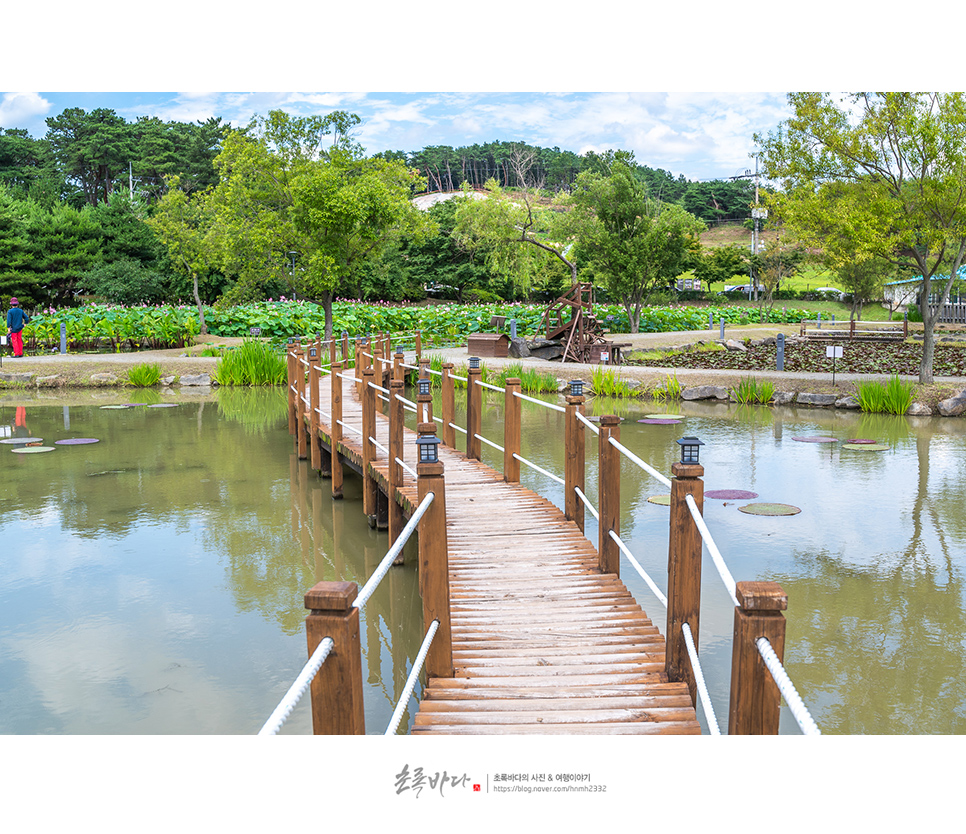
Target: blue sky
x: 700, y: 135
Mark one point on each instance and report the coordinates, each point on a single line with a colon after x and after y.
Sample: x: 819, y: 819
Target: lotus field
x: 102, y: 327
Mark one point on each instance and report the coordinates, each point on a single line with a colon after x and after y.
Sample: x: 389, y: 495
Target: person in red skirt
x: 16, y: 319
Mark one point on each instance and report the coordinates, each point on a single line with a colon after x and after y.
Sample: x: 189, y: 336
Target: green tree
x: 885, y: 170
x: 635, y: 245
x: 719, y: 264
x: 183, y: 225
x: 93, y: 149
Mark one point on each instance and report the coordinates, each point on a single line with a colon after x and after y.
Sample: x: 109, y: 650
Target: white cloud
x: 18, y: 108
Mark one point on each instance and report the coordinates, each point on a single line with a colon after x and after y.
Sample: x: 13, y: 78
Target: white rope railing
x: 378, y: 445
x: 488, y: 442
x: 587, y: 423
x: 379, y: 388
x: 483, y: 384
x: 637, y: 566
x: 459, y: 378
x: 787, y: 688
x: 559, y: 408
x: 298, y: 688
x: 350, y: 428
x: 540, y: 469
x: 716, y: 557
x: 587, y: 502
x: 411, y: 680
x: 645, y: 466
x: 409, y: 406
x: 393, y: 552
x: 699, y: 680
x: 458, y: 428
x: 409, y: 469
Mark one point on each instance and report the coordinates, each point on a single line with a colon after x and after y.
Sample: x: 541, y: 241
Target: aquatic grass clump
x: 253, y: 363
x: 750, y: 391
x: 144, y: 375
x: 606, y: 383
x: 670, y: 389
x: 532, y: 381
x: 895, y: 397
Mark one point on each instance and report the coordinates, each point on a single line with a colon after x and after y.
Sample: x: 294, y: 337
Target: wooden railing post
x: 684, y: 573
x: 369, y: 485
x: 511, y: 432
x: 755, y: 699
x: 300, y: 435
x: 424, y: 401
x: 345, y: 346
x: 419, y: 346
x: 434, y: 563
x: 574, y: 468
x: 335, y: 404
x: 397, y: 368
x: 474, y: 411
x: 397, y: 418
x: 609, y: 489
x: 448, y: 405
x: 315, y: 443
x: 337, y: 707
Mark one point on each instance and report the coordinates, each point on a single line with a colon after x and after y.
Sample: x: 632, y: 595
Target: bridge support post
x: 448, y: 405
x: 369, y: 486
x: 474, y: 411
x: 396, y: 423
x: 755, y: 699
x: 684, y: 573
x: 290, y: 376
x: 609, y: 469
x: 335, y: 402
x: 337, y: 707
x: 300, y: 434
x: 315, y: 443
x: 434, y: 563
x: 511, y: 432
x: 574, y: 462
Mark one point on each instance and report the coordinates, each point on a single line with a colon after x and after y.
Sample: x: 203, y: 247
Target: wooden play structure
x: 571, y: 319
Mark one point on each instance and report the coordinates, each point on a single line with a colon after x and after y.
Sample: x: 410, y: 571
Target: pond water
x: 154, y: 580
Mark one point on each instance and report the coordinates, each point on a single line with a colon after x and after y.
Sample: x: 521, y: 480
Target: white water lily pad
x: 770, y: 509
x: 663, y: 500
x: 659, y: 421
x: 731, y: 494
x: 865, y: 447
x: 815, y: 439
x: 76, y: 441
x: 163, y: 405
x: 114, y: 406
x: 28, y: 450
x: 859, y: 440
x: 663, y: 416
x: 19, y: 441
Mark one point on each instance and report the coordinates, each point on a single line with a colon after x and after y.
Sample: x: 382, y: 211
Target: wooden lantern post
x: 448, y: 405
x: 574, y: 463
x: 315, y: 444
x: 397, y: 418
x: 609, y: 471
x: 474, y: 411
x: 511, y: 432
x: 338, y: 476
x: 369, y: 486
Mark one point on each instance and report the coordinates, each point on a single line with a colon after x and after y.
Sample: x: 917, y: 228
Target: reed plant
x: 144, y: 375
x: 606, y: 383
x: 749, y: 391
x: 894, y: 397
x: 670, y: 389
x: 253, y: 363
x: 532, y: 381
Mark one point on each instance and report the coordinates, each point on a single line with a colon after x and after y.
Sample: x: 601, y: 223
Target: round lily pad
x: 76, y: 441
x: 113, y: 406
x: 663, y: 500
x: 663, y: 416
x: 770, y: 509
x: 730, y: 494
x: 19, y: 441
x: 27, y: 450
x: 815, y: 439
x: 163, y: 405
x: 865, y: 447
x: 859, y: 440
x: 654, y: 421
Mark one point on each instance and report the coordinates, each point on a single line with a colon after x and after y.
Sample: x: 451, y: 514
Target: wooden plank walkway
x: 542, y: 641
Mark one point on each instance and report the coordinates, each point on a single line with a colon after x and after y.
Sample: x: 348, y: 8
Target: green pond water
x: 153, y: 581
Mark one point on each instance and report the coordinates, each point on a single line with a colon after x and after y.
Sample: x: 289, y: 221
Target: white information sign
x: 833, y: 352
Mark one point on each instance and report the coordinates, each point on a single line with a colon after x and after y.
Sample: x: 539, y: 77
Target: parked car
x: 837, y: 293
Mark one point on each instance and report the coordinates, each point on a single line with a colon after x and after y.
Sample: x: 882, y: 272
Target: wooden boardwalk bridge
x: 537, y: 632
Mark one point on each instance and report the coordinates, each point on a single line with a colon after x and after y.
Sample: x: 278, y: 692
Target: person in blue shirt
x: 16, y: 319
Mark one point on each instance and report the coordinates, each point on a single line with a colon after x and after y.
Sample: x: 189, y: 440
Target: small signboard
x: 834, y: 351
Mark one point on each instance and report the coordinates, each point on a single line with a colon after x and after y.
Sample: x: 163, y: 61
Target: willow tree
x: 884, y: 172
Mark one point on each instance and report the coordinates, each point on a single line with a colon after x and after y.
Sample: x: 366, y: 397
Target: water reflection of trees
x: 259, y: 410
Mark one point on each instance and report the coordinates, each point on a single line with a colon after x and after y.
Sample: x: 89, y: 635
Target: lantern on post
x: 690, y: 448
x: 427, y: 445
x: 474, y: 363
x: 576, y: 388
x: 423, y: 389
